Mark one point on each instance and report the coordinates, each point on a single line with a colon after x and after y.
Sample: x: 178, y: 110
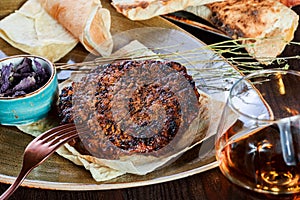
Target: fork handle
x: 23, y: 173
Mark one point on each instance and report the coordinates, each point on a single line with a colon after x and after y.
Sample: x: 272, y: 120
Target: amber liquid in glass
x: 256, y: 161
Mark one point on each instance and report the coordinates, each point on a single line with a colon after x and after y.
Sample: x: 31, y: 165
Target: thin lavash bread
x: 86, y: 20
x: 32, y: 30
x: 146, y: 9
x: 268, y: 25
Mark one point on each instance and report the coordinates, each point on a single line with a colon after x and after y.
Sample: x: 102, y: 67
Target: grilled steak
x: 130, y: 107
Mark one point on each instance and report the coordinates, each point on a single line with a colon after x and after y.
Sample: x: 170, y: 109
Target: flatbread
x: 103, y: 169
x: 268, y: 25
x: 146, y: 9
x: 33, y: 31
x: 86, y: 20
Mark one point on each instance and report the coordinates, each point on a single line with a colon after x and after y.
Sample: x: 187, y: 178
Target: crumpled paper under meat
x: 102, y: 169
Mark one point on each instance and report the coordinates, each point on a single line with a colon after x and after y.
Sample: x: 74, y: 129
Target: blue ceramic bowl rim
x: 43, y: 87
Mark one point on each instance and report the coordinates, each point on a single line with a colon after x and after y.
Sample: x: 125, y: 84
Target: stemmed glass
x: 258, y: 139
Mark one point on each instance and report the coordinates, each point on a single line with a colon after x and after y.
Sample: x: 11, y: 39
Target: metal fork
x: 39, y: 149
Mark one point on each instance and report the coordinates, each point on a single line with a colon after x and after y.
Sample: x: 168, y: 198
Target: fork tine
x: 63, y: 138
x: 67, y: 135
x: 58, y: 133
x: 53, y: 130
x: 57, y: 142
x: 62, y: 132
x: 43, y: 138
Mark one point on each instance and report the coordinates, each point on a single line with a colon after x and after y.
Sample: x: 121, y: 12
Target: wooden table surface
x: 210, y: 185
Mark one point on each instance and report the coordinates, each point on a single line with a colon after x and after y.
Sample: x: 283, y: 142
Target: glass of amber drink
x: 258, y: 139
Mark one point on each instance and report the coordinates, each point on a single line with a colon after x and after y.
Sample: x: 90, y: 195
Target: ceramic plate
x: 162, y: 38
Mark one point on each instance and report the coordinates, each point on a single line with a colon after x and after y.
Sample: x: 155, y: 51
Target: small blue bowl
x: 33, y: 106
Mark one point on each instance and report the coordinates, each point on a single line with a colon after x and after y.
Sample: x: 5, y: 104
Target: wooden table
x: 210, y: 185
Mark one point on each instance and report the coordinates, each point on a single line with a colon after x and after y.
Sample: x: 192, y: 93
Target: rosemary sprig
x: 232, y: 47
x: 214, y: 67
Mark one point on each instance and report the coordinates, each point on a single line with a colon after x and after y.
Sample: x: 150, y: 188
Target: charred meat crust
x: 109, y: 137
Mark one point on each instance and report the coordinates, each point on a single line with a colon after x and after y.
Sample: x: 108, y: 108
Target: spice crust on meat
x: 131, y: 107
